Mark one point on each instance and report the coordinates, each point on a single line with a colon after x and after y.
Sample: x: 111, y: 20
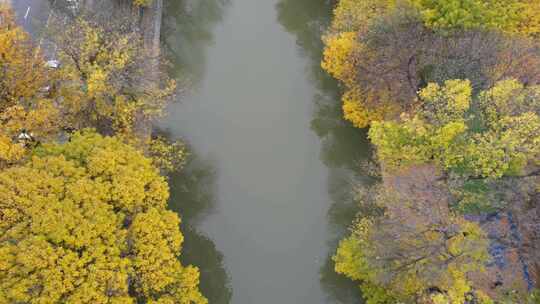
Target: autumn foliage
x: 450, y: 91
x: 384, y: 52
x: 85, y: 222
x: 500, y: 138
x: 22, y: 105
x: 106, y: 79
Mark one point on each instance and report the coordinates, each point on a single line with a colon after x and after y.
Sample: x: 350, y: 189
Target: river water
x: 266, y: 194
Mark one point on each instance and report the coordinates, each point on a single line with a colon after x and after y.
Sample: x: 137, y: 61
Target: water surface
x: 266, y: 196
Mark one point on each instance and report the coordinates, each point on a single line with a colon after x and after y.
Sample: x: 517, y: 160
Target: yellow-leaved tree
x: 142, y: 3
x: 23, y: 72
x: 23, y: 104
x: 501, y: 138
x: 107, y: 79
x: 384, y: 52
x: 86, y: 222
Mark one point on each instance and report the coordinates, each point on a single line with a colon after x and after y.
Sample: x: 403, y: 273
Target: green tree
x: 85, y: 222
x: 514, y: 16
x: 493, y: 135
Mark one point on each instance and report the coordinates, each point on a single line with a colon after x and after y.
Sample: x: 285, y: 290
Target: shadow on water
x: 192, y: 196
x: 343, y: 147
x: 186, y: 32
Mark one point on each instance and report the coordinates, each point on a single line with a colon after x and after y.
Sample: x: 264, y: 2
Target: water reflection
x: 186, y: 31
x: 192, y: 196
x: 270, y: 212
x: 343, y: 146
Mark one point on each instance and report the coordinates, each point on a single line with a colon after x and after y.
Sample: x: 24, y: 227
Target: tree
x: 352, y: 15
x: 23, y: 105
x: 529, y: 18
x: 513, y: 16
x: 143, y: 3
x: 38, y: 121
x: 107, y: 81
x: 85, y: 222
x: 167, y: 156
x: 500, y: 138
x: 418, y: 247
x: 22, y: 71
x: 469, y: 14
x: 386, y: 59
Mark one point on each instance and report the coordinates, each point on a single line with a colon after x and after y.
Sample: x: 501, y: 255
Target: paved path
x: 31, y: 14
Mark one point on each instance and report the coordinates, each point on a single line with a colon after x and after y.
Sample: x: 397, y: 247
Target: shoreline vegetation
x: 83, y: 186
x: 450, y: 93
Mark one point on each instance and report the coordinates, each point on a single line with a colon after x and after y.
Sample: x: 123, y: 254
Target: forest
x: 450, y: 93
x: 426, y: 189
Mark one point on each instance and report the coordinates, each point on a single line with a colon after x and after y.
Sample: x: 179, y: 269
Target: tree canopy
x: 417, y: 247
x: 23, y: 104
x: 384, y: 52
x: 513, y: 16
x: 450, y: 91
x: 107, y: 82
x: 85, y: 222
x: 494, y: 134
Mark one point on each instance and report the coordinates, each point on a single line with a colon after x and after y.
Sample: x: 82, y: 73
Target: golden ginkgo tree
x: 24, y: 80
x: 86, y: 222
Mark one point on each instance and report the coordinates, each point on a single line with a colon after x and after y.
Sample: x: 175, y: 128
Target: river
x: 266, y: 194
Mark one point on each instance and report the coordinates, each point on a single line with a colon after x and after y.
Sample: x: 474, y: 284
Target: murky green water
x: 266, y: 195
